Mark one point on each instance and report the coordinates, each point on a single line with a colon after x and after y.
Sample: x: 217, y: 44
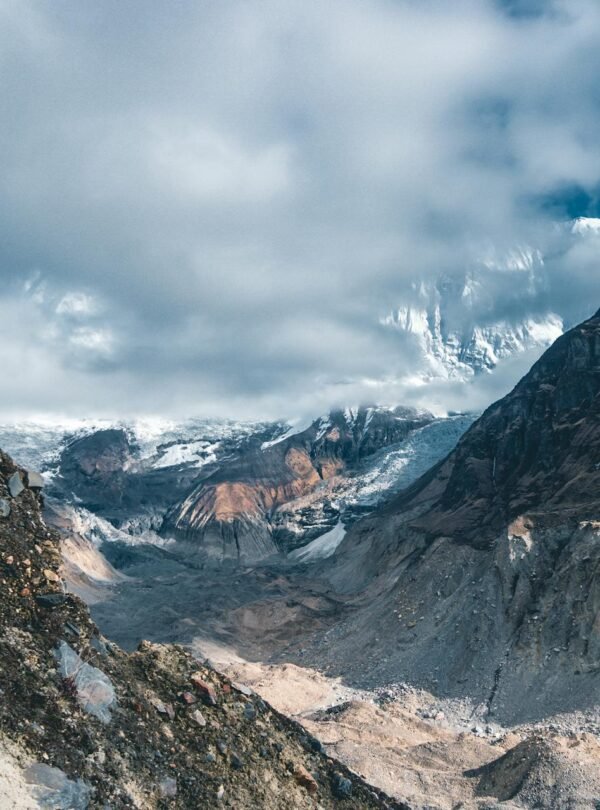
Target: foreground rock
x: 83, y: 724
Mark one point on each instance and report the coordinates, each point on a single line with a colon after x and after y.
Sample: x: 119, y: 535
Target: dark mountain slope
x: 536, y: 451
x: 483, y: 578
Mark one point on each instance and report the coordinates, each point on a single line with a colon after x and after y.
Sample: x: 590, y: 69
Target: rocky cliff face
x: 483, y: 577
x: 233, y: 513
x: 131, y: 483
x: 84, y: 725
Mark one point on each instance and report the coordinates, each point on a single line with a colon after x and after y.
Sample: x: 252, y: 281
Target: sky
x: 209, y: 208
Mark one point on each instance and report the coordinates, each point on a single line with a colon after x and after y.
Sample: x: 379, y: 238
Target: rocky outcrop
x: 95, y: 468
x: 84, y: 725
x: 103, y: 472
x: 232, y: 514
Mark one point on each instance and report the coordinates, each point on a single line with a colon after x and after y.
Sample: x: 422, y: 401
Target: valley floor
x: 429, y: 752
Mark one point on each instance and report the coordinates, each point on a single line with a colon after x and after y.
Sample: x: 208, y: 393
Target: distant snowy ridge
x: 460, y: 355
x: 451, y: 341
x: 351, y: 416
x: 294, y: 428
x: 161, y: 442
x: 450, y: 320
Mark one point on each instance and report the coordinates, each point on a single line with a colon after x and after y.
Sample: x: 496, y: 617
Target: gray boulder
x: 34, y: 480
x: 15, y: 485
x: 4, y: 507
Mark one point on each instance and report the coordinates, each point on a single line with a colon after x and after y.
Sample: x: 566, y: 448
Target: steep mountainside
x: 82, y: 724
x: 483, y: 577
x: 534, y: 452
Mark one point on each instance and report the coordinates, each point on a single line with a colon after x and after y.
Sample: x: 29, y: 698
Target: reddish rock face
x: 229, y: 515
x: 206, y: 690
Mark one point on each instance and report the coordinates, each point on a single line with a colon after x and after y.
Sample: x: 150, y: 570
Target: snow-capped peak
x: 584, y: 226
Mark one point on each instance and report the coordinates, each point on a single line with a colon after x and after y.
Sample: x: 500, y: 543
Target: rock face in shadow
x: 230, y: 514
x: 483, y: 577
x: 96, y: 468
x: 104, y: 473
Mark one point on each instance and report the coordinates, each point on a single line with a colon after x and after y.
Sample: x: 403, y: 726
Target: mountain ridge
x: 482, y: 577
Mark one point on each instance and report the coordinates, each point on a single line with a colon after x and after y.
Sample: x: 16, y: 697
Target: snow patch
x: 395, y: 468
x: 321, y: 547
x: 98, y: 530
x: 296, y: 427
x: 197, y: 454
x: 582, y: 226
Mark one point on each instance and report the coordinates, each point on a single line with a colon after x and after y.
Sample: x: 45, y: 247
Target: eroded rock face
x: 233, y: 513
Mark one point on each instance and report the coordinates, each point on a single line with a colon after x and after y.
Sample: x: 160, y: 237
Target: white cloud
x: 76, y: 304
x: 206, y: 167
x: 216, y: 203
x: 98, y: 341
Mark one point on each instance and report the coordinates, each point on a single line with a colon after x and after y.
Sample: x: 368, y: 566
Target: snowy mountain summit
x: 454, y: 339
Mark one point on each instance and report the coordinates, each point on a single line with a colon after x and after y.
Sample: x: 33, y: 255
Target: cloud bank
x: 209, y: 207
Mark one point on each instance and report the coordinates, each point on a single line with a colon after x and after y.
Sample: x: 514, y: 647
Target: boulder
x: 207, y: 691
x: 51, y: 600
x: 34, y: 480
x: 15, y: 485
x: 341, y: 787
x: 94, y: 690
x: 52, y: 788
x: 304, y: 778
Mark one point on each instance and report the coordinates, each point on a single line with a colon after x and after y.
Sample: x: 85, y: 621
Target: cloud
x: 218, y: 203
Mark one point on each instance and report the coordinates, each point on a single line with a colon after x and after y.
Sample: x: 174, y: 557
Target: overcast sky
x: 208, y: 207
